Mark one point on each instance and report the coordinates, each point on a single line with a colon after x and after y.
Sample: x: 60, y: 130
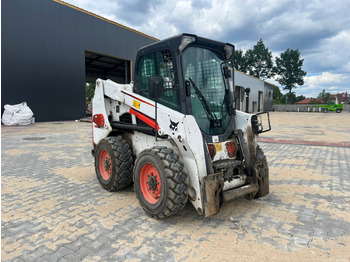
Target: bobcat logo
x: 173, y: 125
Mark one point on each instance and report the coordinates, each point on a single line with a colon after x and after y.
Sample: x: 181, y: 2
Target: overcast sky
x: 319, y: 29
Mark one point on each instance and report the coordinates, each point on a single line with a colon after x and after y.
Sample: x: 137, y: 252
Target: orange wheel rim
x: 105, y: 164
x: 150, y: 183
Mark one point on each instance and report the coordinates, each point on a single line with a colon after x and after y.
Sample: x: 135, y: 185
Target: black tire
x: 263, y: 173
x: 113, y: 163
x: 161, y: 182
x: 338, y: 110
x: 325, y: 110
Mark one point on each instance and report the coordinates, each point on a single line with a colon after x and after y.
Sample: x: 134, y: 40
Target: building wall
x: 43, y: 47
x: 256, y: 85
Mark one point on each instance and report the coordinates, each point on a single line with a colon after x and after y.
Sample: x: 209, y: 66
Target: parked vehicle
x: 330, y: 107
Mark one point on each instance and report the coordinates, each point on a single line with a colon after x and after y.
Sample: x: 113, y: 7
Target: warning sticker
x: 218, y: 147
x: 136, y: 104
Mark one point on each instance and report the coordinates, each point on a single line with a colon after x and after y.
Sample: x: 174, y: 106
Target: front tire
x: 113, y: 163
x: 161, y: 182
x: 263, y: 173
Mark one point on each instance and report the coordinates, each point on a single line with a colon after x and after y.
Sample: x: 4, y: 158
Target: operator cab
x: 195, y: 80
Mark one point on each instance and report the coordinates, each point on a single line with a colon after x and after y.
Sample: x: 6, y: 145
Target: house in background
x: 341, y: 98
x: 311, y: 101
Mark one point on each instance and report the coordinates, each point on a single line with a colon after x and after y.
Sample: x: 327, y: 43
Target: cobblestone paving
x: 53, y: 208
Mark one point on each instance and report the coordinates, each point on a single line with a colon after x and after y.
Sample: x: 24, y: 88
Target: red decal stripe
x: 149, y: 121
x: 143, y: 101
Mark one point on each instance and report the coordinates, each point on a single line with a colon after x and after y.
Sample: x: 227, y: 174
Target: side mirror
x: 155, y: 87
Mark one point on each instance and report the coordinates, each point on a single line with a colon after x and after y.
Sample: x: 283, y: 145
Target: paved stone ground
x: 53, y: 208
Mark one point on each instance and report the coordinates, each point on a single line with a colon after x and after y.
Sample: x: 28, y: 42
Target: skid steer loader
x: 175, y: 133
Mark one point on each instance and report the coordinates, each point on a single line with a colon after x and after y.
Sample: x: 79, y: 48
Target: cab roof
x: 174, y: 43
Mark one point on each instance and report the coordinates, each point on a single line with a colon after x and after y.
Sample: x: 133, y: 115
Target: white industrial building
x: 260, y: 96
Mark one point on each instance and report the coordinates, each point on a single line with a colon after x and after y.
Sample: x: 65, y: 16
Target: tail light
x: 99, y: 120
x: 212, y: 150
x: 231, y: 149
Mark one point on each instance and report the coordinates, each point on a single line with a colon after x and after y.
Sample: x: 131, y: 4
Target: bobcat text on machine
x: 175, y: 133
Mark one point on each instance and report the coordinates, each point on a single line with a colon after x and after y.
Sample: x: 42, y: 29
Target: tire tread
x: 124, y: 163
x: 177, y: 181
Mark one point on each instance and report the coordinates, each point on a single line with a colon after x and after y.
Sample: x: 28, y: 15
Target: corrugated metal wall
x: 43, y: 55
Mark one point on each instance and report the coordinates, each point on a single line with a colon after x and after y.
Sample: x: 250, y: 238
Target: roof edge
x: 104, y: 19
x: 254, y: 77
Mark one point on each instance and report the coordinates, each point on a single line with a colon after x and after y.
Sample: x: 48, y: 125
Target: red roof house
x: 342, y: 98
x: 311, y: 101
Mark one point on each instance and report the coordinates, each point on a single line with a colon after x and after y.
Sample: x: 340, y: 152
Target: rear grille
x: 125, y: 118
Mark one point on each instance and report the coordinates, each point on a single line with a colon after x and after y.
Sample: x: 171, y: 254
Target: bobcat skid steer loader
x: 175, y: 133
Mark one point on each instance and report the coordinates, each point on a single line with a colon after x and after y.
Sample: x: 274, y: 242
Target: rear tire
x: 160, y: 181
x: 113, y: 163
x: 338, y: 110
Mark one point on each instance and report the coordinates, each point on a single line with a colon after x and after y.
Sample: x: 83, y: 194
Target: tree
x: 279, y: 98
x: 289, y: 70
x: 259, y: 61
x: 325, y: 96
x: 277, y: 95
x: 300, y: 98
x: 90, y: 90
x: 291, y: 98
x: 239, y: 61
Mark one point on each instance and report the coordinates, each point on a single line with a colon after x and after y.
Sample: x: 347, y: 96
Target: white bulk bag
x: 19, y: 114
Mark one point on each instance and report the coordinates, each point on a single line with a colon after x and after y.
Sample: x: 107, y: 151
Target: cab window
x: 161, y: 64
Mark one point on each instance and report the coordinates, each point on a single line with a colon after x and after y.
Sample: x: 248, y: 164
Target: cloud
x: 324, y: 79
x: 318, y: 29
x: 282, y: 24
x: 333, y: 83
x: 333, y: 54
